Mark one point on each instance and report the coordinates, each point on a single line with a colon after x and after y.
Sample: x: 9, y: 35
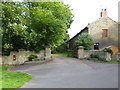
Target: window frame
x: 104, y: 33
x: 96, y: 46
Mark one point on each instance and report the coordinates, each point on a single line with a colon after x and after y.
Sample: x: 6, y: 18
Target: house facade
x: 104, y: 33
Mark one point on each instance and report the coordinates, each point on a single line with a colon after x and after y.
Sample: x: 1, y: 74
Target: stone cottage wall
x: 95, y: 31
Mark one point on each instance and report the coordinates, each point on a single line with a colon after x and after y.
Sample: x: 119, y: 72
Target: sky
x: 87, y: 11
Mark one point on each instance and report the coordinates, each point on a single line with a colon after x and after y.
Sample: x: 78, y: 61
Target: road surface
x: 65, y: 72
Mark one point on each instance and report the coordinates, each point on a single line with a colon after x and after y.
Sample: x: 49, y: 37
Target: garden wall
x: 118, y: 56
x: 22, y: 56
x: 101, y: 54
x: 81, y: 54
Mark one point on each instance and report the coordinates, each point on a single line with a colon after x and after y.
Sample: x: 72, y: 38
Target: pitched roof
x: 79, y: 33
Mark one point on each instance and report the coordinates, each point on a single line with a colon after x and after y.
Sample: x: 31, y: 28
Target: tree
x: 34, y: 25
x: 50, y: 21
x: 14, y: 28
x: 84, y: 40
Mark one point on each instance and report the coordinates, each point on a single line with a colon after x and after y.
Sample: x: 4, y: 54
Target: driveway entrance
x: 65, y: 72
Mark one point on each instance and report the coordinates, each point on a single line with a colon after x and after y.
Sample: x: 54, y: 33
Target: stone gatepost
x: 80, y: 52
x: 108, y: 56
x: 118, y: 57
x: 47, y: 53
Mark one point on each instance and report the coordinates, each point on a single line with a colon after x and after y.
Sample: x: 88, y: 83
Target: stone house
x: 104, y: 32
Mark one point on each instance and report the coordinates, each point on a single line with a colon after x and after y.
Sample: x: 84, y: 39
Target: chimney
x: 88, y: 24
x: 103, y: 13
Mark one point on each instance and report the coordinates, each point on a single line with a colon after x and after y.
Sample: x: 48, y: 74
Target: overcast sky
x: 87, y: 11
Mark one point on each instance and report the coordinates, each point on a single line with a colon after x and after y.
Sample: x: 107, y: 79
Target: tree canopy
x: 34, y: 25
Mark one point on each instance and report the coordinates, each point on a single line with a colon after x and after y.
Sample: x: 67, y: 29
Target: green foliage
x: 60, y: 49
x: 65, y: 54
x: 109, y: 50
x: 14, y: 79
x: 94, y: 56
x: 32, y: 57
x: 84, y: 40
x: 50, y: 20
x: 61, y: 54
x: 14, y: 28
x: 70, y: 54
x: 4, y: 68
x: 34, y: 25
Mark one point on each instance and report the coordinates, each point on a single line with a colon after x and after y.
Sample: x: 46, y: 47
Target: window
x: 96, y: 46
x: 104, y: 33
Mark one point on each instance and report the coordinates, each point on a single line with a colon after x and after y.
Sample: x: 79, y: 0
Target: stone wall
x: 102, y: 55
x: 118, y: 56
x: 22, y: 56
x: 86, y: 54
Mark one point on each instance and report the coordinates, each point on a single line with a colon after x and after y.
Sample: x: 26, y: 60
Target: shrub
x: 94, y: 56
x: 32, y: 57
x: 84, y: 40
x: 109, y: 50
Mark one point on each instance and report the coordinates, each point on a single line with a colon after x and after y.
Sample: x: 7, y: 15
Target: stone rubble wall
x: 22, y: 56
x: 86, y: 54
x: 102, y: 55
x: 118, y: 56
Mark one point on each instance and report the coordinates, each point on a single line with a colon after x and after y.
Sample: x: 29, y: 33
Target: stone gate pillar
x: 47, y: 53
x: 80, y: 52
x: 108, y: 56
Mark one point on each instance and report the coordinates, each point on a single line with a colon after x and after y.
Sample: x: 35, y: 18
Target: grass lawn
x: 66, y: 54
x: 60, y: 54
x: 13, y: 79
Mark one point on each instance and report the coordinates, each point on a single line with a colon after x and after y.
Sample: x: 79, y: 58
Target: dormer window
x: 104, y: 33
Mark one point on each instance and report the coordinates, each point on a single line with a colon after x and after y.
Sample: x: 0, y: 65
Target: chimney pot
x: 103, y: 13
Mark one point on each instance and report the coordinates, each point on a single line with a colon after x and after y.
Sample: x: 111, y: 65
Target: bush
x: 109, y: 50
x: 71, y: 53
x: 32, y: 57
x: 94, y: 56
x: 84, y: 40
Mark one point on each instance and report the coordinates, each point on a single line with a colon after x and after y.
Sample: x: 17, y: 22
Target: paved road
x: 71, y: 73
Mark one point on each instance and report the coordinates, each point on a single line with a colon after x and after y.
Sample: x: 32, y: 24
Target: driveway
x: 65, y: 72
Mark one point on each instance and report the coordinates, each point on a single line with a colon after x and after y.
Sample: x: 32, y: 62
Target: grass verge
x: 112, y: 62
x: 61, y: 54
x: 13, y: 79
x: 103, y: 61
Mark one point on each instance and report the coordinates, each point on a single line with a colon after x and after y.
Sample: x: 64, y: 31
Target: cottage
x: 103, y: 31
